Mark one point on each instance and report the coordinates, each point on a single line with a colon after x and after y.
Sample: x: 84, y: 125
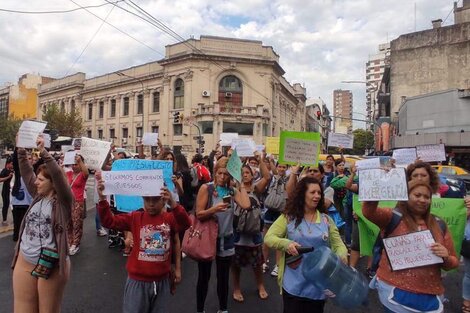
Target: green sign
x: 452, y: 211
x: 299, y: 147
x: 234, y: 166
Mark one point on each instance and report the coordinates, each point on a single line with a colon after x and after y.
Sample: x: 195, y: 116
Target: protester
x: 41, y: 266
x: 225, y: 248
x: 418, y: 289
x: 5, y: 177
x: 305, y: 223
x: 183, y: 175
x: 329, y: 167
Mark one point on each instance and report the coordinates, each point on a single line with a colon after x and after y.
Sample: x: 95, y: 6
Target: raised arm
x: 26, y: 171
x: 82, y: 165
x: 261, y: 185
x: 292, y: 182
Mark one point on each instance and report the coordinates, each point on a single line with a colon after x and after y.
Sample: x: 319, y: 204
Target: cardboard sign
x: 126, y: 203
x: 404, y: 157
x: 69, y: 157
x: 272, y: 145
x: 47, y: 140
x: 411, y: 250
x: 226, y: 138
x: 135, y: 183
x: 368, y: 164
x: 299, y: 147
x: 340, y: 140
x: 244, y: 147
x: 234, y: 166
x: 94, y: 152
x: 66, y: 148
x: 378, y: 184
x: 29, y: 132
x: 431, y: 153
x: 150, y: 139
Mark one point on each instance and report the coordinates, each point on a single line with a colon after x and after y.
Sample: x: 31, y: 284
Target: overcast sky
x: 320, y: 42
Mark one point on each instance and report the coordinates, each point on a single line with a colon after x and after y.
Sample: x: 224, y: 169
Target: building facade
x: 342, y: 110
x: 375, y: 69
x: 215, y: 84
x: 4, y: 101
x: 317, y: 119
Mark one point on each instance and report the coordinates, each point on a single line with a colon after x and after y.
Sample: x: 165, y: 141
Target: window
x: 90, y: 111
x: 125, y: 109
x: 89, y: 133
x: 62, y: 106
x: 140, y: 104
x: 240, y: 128
x: 101, y: 110
x: 125, y: 133
x: 154, y: 129
x: 230, y: 94
x: 179, y: 94
x: 265, y: 129
x: 156, y: 102
x: 178, y: 129
x: 448, y: 171
x: 207, y: 127
x: 138, y: 131
x: 100, y: 134
x: 112, y: 133
x: 112, y: 112
x: 72, y: 106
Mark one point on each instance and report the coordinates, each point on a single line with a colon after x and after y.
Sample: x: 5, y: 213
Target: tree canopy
x: 64, y: 123
x: 8, y: 129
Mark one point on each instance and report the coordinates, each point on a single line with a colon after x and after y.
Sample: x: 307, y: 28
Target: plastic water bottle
x: 347, y: 287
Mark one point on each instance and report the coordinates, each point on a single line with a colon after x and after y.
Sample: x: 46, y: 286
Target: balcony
x: 230, y: 110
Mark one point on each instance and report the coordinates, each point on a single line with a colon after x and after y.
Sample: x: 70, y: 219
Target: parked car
x: 450, y: 170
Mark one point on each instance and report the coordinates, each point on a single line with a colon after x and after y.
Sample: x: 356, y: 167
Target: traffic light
x: 197, y: 150
x: 176, y: 118
x: 318, y: 115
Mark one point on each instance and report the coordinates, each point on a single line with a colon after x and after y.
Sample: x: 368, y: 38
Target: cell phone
x: 227, y: 199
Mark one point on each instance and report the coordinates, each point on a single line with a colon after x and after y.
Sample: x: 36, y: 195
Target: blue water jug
x: 326, y: 271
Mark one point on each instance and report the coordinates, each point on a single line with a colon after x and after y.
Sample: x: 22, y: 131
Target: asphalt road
x: 98, y: 276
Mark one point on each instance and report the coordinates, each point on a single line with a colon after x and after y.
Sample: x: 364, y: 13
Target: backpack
x: 199, y: 175
x: 379, y: 245
x: 277, y: 195
x: 248, y: 221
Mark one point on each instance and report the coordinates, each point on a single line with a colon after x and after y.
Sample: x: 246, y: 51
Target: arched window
x: 179, y: 94
x: 72, y: 106
x: 230, y: 94
x: 62, y: 106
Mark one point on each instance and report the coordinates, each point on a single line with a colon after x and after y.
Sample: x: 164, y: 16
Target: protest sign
x: 244, y: 147
x: 431, y: 153
x: 404, y: 157
x: 66, y: 148
x: 69, y: 157
x: 131, y: 203
x: 260, y: 148
x: 378, y: 184
x: 340, y: 140
x: 150, y: 139
x: 368, y: 164
x: 29, y: 132
x: 47, y: 140
x: 234, y: 166
x: 411, y: 250
x: 226, y: 138
x: 94, y: 152
x: 272, y: 145
x: 299, y: 147
x: 135, y: 183
x: 452, y: 211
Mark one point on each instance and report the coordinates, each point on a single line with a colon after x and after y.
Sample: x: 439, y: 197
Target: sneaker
x: 183, y: 255
x: 74, y: 249
x: 265, y: 267
x: 275, y: 271
x: 101, y: 232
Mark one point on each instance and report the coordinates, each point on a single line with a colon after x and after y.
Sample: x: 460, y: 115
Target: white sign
x: 226, y: 138
x: 66, y: 148
x: 69, y: 157
x: 368, y: 164
x: 94, y: 152
x: 133, y: 183
x: 404, y: 157
x: 300, y: 151
x: 411, y: 250
x: 150, y: 139
x: 431, y: 153
x: 29, y: 132
x: 378, y: 184
x: 340, y: 140
x: 47, y: 140
x: 244, y: 147
x: 260, y: 148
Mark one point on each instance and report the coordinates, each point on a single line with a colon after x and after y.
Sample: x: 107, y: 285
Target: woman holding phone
x: 217, y: 200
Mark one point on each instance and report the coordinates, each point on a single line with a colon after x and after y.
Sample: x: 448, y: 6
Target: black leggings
x: 204, y: 275
x: 294, y: 304
x: 19, y: 212
x: 6, y: 202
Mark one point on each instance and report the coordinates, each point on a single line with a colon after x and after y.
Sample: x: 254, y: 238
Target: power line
x: 59, y: 11
x: 456, y: 3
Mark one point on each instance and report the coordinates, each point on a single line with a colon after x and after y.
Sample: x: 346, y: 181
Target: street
x: 98, y: 276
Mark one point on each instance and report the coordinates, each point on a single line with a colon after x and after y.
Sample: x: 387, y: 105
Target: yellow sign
x: 272, y: 145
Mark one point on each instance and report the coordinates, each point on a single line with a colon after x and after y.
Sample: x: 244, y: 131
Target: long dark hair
x: 295, y: 206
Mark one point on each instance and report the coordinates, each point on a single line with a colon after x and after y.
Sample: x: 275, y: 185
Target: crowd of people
x: 296, y: 206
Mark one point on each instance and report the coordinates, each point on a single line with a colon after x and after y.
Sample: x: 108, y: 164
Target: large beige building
x: 342, y: 110
x: 215, y: 84
x: 375, y: 69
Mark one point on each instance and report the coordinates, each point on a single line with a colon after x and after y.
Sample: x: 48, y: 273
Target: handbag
x: 465, y: 251
x: 48, y: 260
x: 248, y: 221
x: 276, y: 198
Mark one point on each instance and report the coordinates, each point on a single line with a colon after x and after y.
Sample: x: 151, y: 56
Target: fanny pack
x: 415, y: 302
x: 48, y: 260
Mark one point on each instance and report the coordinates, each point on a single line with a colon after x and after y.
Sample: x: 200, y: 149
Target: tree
x: 8, y: 129
x: 65, y: 124
x: 363, y: 139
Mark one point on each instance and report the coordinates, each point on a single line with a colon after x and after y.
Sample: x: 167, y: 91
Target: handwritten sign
x: 234, y: 166
x: 226, y: 138
x: 378, y: 184
x: 126, y: 203
x: 244, y: 147
x: 69, y: 157
x: 272, y: 145
x: 411, y: 250
x: 94, y: 152
x: 299, y: 147
x: 340, y: 140
x: 150, y: 139
x: 404, y: 157
x: 135, y: 183
x: 260, y: 148
x: 29, y: 132
x: 65, y: 148
x: 431, y: 153
x: 47, y: 140
x: 368, y: 164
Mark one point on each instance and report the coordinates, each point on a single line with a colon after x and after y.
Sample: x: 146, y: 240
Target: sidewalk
x: 4, y: 229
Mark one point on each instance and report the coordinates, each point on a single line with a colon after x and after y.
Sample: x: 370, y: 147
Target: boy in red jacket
x: 155, y: 233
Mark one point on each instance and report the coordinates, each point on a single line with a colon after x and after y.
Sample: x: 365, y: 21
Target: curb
x: 6, y: 229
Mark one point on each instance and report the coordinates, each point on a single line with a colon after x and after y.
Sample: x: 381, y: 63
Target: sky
x: 320, y: 42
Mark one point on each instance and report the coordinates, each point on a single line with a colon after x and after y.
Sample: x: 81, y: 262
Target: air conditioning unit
x: 228, y: 95
x: 206, y: 93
